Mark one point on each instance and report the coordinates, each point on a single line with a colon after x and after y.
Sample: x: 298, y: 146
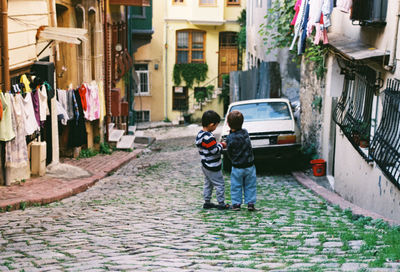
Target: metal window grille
x: 180, y: 98
x: 385, y: 147
x: 354, y: 109
x: 143, y: 116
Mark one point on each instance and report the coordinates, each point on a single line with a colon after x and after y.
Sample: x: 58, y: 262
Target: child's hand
x: 223, y: 144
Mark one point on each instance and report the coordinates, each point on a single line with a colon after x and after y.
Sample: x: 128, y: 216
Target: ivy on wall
x: 242, y: 33
x: 190, y: 73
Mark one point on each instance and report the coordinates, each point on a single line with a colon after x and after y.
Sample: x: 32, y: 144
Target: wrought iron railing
x: 385, y: 147
x: 354, y: 109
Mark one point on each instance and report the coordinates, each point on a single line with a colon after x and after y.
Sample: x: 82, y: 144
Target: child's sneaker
x: 209, y: 205
x: 236, y: 207
x: 251, y: 207
x: 224, y: 206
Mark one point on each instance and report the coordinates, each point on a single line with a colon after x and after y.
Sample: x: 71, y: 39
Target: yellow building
x: 189, y: 31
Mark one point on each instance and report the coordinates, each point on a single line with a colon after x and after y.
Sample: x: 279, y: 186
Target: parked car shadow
x: 280, y: 166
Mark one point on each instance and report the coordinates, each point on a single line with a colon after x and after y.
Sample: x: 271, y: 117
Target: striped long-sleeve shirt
x: 209, y: 150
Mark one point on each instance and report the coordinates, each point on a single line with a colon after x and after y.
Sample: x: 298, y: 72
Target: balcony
x: 140, y: 19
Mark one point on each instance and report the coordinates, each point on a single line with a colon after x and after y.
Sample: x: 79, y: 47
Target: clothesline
x: 313, y: 16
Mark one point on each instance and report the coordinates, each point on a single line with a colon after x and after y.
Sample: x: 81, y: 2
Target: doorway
x: 228, y: 54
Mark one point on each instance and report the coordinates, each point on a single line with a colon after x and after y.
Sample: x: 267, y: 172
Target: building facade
x: 199, y: 32
x: 355, y: 109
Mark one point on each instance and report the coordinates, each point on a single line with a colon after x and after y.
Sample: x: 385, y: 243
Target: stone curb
x: 45, y: 190
x: 336, y: 199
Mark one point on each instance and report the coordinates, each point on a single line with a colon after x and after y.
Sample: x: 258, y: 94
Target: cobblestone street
x: 148, y: 216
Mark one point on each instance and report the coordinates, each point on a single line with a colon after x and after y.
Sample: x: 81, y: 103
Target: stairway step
x: 126, y: 142
x: 131, y: 130
x: 115, y: 135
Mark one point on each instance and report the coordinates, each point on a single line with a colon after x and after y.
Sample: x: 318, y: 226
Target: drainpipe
x: 129, y: 89
x: 107, y: 90
x: 390, y: 65
x: 54, y: 122
x: 4, y: 52
x: 166, y: 62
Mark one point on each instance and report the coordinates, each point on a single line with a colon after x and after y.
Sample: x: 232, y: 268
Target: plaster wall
x: 192, y: 11
x: 333, y: 89
x: 152, y: 54
x: 379, y: 37
x: 362, y: 183
x: 232, y: 12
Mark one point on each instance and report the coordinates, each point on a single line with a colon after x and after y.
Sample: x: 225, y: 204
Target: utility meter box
x: 38, y: 158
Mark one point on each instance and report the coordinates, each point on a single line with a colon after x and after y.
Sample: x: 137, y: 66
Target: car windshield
x: 265, y: 111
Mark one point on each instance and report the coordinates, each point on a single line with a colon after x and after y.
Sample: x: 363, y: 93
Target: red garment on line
x: 82, y: 94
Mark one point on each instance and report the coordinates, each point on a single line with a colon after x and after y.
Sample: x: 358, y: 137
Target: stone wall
x: 311, y: 116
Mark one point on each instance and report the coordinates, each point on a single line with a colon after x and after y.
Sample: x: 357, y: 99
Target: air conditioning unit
x: 369, y: 12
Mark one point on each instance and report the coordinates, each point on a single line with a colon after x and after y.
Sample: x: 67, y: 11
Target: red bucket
x: 318, y: 167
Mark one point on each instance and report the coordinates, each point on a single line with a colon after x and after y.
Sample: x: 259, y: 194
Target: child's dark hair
x: 235, y: 120
x: 210, y: 117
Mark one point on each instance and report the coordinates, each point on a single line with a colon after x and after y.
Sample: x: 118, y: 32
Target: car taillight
x: 286, y: 139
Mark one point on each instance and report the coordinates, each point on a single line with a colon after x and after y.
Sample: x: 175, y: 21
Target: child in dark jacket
x: 240, y: 152
x: 210, y: 154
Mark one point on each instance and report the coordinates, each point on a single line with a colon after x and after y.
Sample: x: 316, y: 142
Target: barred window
x: 143, y: 116
x: 385, y: 147
x: 180, y: 98
x: 353, y: 112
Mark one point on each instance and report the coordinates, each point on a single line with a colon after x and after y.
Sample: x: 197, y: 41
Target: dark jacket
x: 239, y: 149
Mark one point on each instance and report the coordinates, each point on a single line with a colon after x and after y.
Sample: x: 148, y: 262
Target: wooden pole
x: 4, y: 51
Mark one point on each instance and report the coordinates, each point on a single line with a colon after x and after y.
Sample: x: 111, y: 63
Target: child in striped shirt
x: 210, y: 154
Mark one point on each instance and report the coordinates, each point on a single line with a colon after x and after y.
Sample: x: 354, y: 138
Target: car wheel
x: 226, y: 164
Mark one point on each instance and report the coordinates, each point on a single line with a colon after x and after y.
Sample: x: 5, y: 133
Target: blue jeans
x: 243, y: 179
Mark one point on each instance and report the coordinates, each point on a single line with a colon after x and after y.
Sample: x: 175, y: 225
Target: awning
x: 61, y: 34
x: 353, y: 49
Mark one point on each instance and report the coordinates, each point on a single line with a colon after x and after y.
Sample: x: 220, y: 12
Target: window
x: 177, y: 1
x: 207, y: 2
x: 142, y: 72
x: 143, y: 116
x: 190, y: 46
x: 385, y: 147
x: 353, y: 112
x: 259, y: 3
x: 233, y: 2
x: 228, y: 39
x: 180, y: 98
x: 268, y: 111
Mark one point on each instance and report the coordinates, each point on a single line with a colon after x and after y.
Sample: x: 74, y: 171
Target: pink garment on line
x: 320, y: 34
x: 93, y: 102
x: 297, y: 9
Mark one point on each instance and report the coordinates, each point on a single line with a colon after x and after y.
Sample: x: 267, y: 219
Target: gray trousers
x: 213, y: 179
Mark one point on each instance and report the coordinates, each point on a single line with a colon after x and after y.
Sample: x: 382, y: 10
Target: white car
x: 271, y: 126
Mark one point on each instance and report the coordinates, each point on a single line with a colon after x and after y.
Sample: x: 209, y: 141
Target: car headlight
x: 286, y: 139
